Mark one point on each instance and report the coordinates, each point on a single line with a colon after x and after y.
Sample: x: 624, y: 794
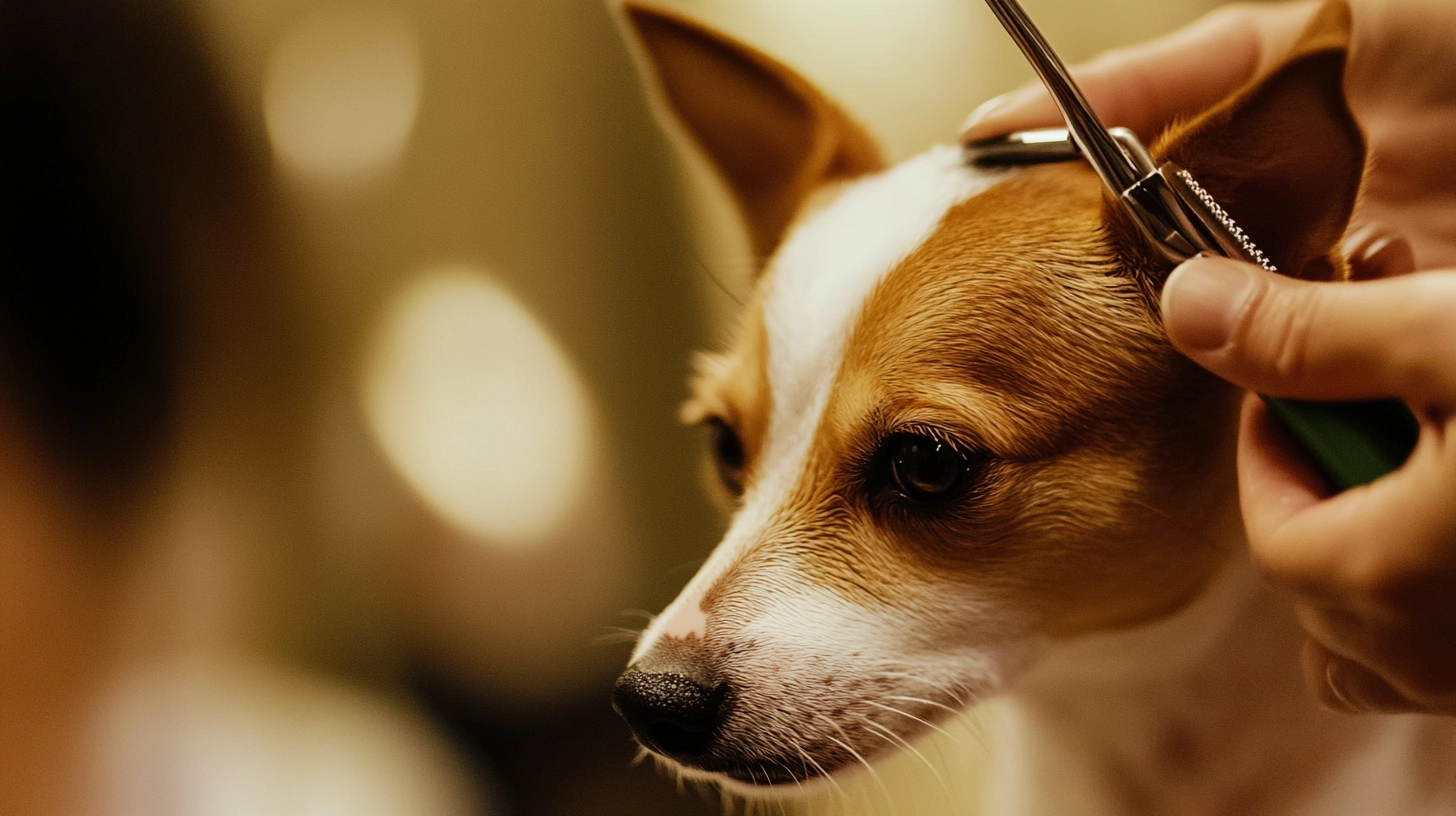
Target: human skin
x: 1372, y: 570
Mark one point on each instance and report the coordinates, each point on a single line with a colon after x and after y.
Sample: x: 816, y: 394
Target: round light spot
x: 342, y: 92
x: 479, y: 408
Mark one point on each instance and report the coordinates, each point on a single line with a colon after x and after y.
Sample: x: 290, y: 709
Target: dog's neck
x: 1203, y: 712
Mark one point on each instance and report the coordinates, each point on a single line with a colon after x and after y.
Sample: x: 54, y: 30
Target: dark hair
x: 108, y: 110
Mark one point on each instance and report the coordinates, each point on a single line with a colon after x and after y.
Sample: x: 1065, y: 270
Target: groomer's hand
x: 1372, y: 569
x: 1401, y: 83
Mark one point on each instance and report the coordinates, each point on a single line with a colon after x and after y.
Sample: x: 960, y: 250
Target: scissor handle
x: 1102, y: 151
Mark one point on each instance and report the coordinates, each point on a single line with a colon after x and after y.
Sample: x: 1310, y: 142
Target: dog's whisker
x: 820, y: 768
x: 790, y: 771
x: 884, y: 789
x: 897, y: 740
x: 949, y: 691
x: 616, y: 636
x: 921, y: 700
x: 1203, y: 535
x: 927, y: 723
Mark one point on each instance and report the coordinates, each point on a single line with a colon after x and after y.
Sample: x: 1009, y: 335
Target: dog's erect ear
x: 771, y: 135
x: 1284, y: 155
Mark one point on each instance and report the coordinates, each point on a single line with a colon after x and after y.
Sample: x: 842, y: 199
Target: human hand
x: 1373, y: 569
x: 1401, y: 84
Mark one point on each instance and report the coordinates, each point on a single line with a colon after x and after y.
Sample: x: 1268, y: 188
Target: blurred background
x: 340, y: 350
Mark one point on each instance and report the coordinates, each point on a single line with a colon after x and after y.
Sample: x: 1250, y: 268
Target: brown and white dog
x: 966, y: 462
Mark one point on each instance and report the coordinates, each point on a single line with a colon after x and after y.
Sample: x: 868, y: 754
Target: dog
x: 964, y: 462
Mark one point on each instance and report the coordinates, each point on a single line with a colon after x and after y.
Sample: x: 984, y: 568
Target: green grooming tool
x: 1352, y: 443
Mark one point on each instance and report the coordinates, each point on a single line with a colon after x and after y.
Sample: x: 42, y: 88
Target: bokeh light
x: 342, y: 92
x: 239, y: 739
x: 478, y: 407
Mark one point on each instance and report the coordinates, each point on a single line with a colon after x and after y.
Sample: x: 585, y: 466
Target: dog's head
x: 951, y: 425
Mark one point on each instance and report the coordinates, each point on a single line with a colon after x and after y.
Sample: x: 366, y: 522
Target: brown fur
x: 772, y: 137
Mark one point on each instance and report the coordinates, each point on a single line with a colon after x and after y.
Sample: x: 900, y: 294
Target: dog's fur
x: 1094, y: 571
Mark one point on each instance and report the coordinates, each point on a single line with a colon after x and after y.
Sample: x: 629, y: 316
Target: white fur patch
x: 822, y: 276
x: 819, y: 281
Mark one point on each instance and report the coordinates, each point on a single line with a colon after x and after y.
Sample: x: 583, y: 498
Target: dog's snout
x: 672, y: 702
x: 671, y: 713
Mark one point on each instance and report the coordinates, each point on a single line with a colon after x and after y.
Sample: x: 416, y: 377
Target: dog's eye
x: 925, y: 469
x: 727, y: 454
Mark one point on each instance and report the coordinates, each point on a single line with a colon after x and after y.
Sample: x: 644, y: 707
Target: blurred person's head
x: 118, y: 157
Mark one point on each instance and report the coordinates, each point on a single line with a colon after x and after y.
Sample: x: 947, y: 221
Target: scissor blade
x: 1101, y: 150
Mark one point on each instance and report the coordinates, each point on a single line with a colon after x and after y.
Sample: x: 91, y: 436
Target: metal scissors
x: 1352, y: 443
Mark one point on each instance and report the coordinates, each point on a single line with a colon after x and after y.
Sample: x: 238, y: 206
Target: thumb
x: 1321, y: 341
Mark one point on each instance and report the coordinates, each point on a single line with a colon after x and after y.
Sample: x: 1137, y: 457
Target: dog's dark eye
x: 925, y: 469
x: 727, y: 454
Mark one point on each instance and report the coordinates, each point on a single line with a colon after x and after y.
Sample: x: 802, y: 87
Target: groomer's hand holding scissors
x: 1372, y: 569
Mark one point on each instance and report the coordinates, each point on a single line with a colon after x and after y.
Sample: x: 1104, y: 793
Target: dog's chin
x: 764, y: 780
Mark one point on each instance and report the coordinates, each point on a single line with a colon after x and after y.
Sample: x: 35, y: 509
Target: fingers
x: 1371, y: 569
x: 1146, y: 86
x: 1289, y: 338
x: 1381, y: 550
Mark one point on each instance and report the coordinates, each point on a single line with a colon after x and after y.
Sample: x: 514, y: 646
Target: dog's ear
x: 772, y: 137
x: 1284, y: 155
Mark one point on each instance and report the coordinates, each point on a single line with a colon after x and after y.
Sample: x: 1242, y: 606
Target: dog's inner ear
x: 772, y: 137
x: 1284, y: 155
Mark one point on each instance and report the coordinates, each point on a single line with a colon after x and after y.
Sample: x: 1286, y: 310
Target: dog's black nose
x: 673, y: 706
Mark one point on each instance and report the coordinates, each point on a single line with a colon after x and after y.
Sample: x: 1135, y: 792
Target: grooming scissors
x: 1353, y: 443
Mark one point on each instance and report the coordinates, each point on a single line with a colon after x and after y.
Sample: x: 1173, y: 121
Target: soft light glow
x: 342, y: 92
x: 479, y: 408
x: 225, y: 739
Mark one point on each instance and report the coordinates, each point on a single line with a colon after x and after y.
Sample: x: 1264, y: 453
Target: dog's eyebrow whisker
x: 856, y: 754
x: 637, y: 613
x: 896, y: 739
x: 927, y: 723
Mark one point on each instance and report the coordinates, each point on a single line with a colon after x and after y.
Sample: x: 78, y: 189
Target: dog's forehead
x: 822, y: 276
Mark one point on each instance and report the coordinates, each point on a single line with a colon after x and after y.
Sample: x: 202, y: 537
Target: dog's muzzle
x: 673, y: 700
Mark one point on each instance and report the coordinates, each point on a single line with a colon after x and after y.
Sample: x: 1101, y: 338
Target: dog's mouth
x: 784, y: 771
x: 772, y: 773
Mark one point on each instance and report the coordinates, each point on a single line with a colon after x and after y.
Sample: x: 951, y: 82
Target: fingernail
x: 1203, y: 301
x: 1377, y: 251
x: 990, y: 109
x: 1355, y: 689
x: 1357, y: 244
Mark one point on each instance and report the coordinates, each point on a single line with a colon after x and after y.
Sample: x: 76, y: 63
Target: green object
x: 1352, y: 443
